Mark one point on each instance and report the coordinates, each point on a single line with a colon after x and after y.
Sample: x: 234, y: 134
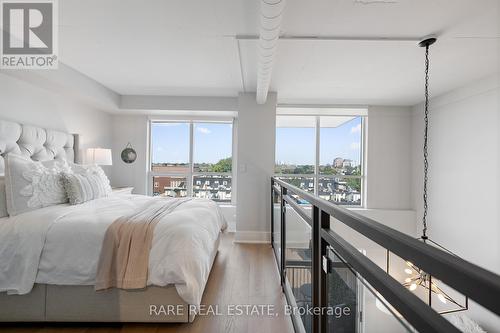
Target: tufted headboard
x: 37, y: 143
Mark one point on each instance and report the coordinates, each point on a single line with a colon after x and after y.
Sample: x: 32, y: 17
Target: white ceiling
x: 187, y: 48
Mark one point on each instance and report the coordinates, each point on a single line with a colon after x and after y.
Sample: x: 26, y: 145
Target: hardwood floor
x: 243, y: 274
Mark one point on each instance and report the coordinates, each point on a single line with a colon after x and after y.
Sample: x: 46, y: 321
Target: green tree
x: 355, y: 183
x: 224, y: 165
x: 328, y: 170
x: 303, y: 169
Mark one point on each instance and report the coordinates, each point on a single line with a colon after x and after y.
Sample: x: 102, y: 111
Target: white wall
x: 70, y: 83
x: 133, y: 129
x: 151, y: 104
x: 464, y: 179
x: 388, y: 158
x: 31, y: 104
x: 256, y: 137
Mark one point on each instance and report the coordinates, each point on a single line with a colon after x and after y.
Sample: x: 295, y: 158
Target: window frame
x: 191, y: 174
x: 316, y: 175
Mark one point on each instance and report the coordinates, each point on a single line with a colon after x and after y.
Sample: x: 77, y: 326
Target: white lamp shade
x: 99, y: 156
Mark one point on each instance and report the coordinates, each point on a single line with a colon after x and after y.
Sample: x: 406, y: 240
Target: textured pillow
x: 92, y: 169
x: 465, y: 324
x: 3, y: 199
x: 30, y: 185
x: 83, y: 187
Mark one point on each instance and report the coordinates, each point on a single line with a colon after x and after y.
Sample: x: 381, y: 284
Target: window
x: 191, y: 159
x: 322, y: 155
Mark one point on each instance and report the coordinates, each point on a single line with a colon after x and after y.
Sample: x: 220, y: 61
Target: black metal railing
x: 480, y: 285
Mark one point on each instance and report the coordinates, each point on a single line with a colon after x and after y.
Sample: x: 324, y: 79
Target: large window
x: 322, y: 155
x: 192, y: 159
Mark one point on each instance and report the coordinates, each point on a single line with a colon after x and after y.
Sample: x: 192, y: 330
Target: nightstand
x: 122, y: 190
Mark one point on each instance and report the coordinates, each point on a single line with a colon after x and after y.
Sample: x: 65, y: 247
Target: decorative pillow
x: 3, y: 199
x: 30, y: 185
x: 465, y: 324
x: 93, y: 169
x: 83, y: 187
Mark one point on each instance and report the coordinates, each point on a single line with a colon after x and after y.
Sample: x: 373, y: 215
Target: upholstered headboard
x: 37, y: 143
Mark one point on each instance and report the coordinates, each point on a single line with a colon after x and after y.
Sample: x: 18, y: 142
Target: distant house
x: 215, y: 187
x: 347, y: 163
x: 353, y: 196
x: 170, y: 186
x: 338, y: 162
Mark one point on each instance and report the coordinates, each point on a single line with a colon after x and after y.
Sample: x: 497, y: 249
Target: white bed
x: 48, y: 261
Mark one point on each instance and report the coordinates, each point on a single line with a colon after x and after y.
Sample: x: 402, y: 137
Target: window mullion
x: 189, y: 179
x: 316, y: 162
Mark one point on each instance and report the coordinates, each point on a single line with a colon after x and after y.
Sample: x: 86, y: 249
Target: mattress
x: 60, y: 245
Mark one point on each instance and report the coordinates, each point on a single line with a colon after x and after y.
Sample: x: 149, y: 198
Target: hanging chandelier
x: 440, y: 297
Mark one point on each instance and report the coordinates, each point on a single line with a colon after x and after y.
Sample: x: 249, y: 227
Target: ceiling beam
x: 271, y: 13
x: 333, y: 38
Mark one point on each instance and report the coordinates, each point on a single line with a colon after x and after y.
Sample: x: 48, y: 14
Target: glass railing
x: 298, y: 269
x: 355, y: 306
x: 276, y: 227
x: 333, y: 286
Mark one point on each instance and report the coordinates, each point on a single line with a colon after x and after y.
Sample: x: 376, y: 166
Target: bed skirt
x: 56, y: 303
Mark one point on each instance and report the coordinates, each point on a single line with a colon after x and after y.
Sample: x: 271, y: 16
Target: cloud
x: 355, y: 145
x: 356, y: 129
x: 203, y: 130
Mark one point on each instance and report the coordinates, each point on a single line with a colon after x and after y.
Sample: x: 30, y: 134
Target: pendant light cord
x: 426, y: 130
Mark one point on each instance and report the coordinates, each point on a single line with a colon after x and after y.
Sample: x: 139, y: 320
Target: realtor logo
x: 29, y: 34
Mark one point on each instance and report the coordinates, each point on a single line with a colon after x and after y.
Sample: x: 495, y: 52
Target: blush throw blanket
x: 124, y: 257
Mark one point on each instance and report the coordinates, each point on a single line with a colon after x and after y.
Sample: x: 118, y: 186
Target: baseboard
x: 253, y: 237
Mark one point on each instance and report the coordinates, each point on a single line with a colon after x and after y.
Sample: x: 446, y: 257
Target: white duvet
x: 61, y: 244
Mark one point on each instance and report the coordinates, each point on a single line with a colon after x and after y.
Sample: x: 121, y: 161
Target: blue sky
x: 170, y: 142
x: 212, y: 142
x: 297, y: 145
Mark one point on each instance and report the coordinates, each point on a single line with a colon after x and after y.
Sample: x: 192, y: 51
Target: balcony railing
x: 319, y: 268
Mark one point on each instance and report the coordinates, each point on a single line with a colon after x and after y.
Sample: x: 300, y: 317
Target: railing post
x: 316, y: 267
x: 272, y: 213
x: 320, y: 293
x: 324, y: 223
x: 283, y: 235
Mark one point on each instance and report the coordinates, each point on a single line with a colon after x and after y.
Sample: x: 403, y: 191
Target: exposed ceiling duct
x: 271, y: 13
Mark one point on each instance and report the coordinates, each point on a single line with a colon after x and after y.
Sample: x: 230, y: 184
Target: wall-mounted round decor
x: 128, y: 154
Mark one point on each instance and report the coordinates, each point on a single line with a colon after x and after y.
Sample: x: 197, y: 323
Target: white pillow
x: 30, y: 185
x: 83, y: 187
x: 3, y: 199
x: 465, y: 324
x: 92, y: 169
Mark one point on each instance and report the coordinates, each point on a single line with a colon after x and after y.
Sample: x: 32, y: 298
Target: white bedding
x: 61, y: 244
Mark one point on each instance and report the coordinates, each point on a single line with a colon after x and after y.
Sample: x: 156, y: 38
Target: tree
x: 224, y: 165
x: 355, y: 183
x: 328, y: 170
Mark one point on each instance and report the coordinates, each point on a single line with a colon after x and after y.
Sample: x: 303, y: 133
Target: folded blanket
x: 124, y: 257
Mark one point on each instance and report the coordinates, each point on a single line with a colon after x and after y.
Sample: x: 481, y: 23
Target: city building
x: 338, y: 162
